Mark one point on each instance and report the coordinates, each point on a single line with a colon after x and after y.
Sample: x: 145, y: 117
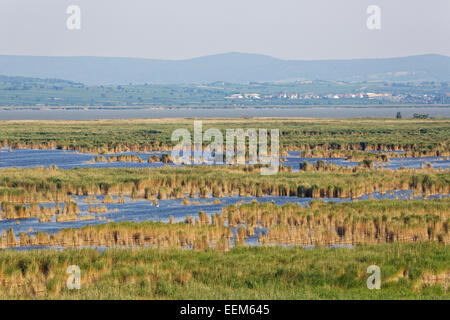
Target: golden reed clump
x: 128, y: 234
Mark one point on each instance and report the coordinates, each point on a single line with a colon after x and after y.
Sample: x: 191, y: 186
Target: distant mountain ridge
x: 229, y: 67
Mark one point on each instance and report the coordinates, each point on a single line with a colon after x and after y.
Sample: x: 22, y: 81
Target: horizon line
x: 219, y: 54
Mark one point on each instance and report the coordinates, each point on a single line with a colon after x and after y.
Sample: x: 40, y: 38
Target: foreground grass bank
x: 408, y: 271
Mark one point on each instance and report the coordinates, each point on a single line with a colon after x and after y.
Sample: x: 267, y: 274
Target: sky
x: 183, y: 29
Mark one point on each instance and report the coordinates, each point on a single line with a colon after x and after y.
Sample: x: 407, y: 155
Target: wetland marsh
x: 364, y: 186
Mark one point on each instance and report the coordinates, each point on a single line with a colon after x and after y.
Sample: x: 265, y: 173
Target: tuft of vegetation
x: 318, y: 137
x: 408, y: 271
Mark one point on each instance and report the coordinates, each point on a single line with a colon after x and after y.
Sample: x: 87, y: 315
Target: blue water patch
x: 144, y: 210
x: 29, y: 158
x: 94, y: 113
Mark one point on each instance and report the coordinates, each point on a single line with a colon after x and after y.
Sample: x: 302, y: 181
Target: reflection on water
x: 70, y: 159
x: 23, y: 158
x: 144, y: 210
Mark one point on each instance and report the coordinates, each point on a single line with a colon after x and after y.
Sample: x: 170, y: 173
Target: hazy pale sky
x: 179, y: 29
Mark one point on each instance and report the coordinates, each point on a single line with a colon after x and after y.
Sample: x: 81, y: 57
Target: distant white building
x: 252, y: 95
x: 235, y: 96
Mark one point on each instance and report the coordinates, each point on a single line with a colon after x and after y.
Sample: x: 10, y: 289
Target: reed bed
x: 408, y: 240
x: 200, y: 236
x: 416, y: 137
x: 382, y: 154
x: 21, y: 186
x: 119, y: 158
x: 19, y: 211
x: 329, y: 224
x: 319, y: 224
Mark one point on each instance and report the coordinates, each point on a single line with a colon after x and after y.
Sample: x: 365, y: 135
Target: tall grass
x: 320, y: 224
x: 369, y: 222
x: 408, y: 271
x: 416, y: 137
x: 49, y: 185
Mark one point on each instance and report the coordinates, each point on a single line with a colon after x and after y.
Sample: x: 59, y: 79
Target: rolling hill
x: 229, y: 67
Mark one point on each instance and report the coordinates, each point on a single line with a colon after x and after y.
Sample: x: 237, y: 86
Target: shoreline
x: 294, y: 107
